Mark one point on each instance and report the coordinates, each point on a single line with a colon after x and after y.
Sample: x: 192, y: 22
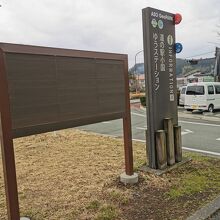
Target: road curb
x: 206, y: 211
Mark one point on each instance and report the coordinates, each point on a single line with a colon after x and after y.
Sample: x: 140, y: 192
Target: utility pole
x: 217, y: 65
x: 135, y: 70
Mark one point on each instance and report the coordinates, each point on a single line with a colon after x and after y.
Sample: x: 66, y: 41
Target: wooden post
x: 161, y: 149
x: 127, y: 126
x: 168, y: 127
x: 147, y: 147
x: 7, y: 146
x: 128, y: 147
x: 177, y: 143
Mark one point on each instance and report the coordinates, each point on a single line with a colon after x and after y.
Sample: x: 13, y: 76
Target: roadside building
x: 181, y: 81
x: 195, y: 76
x: 141, y: 81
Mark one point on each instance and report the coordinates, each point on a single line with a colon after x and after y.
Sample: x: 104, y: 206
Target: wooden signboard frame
x: 8, y: 131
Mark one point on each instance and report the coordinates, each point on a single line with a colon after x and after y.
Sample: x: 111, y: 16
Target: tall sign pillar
x: 160, y: 73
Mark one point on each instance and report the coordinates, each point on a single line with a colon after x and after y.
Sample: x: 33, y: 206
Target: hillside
x: 183, y: 66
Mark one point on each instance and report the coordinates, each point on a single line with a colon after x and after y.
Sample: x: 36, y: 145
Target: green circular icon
x: 154, y: 23
x: 160, y: 24
x: 170, y: 39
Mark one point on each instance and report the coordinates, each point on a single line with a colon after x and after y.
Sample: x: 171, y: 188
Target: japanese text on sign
x: 156, y: 59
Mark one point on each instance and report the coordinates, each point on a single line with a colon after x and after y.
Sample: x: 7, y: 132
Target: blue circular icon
x: 160, y: 24
x: 178, y: 47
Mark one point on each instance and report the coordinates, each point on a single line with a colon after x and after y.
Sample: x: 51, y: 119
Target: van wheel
x: 211, y: 108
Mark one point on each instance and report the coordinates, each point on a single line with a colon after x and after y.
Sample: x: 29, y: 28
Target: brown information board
x: 49, y: 92
x: 160, y: 72
x: 47, y: 89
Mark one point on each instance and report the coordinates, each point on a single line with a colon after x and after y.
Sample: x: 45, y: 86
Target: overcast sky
x: 106, y: 25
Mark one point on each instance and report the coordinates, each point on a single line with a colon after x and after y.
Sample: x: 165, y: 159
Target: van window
x: 183, y: 90
x: 195, y: 90
x: 217, y: 89
x: 210, y: 90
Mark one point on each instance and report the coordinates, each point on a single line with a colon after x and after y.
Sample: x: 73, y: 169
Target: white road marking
x: 188, y: 149
x: 140, y: 128
x: 106, y: 122
x: 218, y: 139
x: 139, y: 140
x: 201, y: 151
x: 186, y: 122
x: 138, y: 114
x: 186, y: 131
x: 108, y: 135
x: 198, y: 123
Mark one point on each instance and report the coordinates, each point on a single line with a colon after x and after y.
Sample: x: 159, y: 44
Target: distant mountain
x: 182, y: 66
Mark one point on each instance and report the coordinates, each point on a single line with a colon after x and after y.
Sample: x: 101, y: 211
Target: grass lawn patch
x: 72, y: 174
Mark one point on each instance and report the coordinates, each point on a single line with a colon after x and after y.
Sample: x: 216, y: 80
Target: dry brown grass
x: 59, y: 174
x: 73, y: 174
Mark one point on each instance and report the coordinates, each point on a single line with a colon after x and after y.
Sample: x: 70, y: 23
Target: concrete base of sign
x: 25, y: 218
x: 126, y: 179
x: 169, y: 168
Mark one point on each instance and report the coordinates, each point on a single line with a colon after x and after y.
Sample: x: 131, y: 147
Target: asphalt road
x: 199, y: 133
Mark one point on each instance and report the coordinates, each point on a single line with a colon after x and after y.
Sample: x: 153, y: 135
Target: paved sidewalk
x: 211, y: 211
x: 215, y: 216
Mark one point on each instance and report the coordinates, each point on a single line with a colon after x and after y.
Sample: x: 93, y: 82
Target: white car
x: 202, y: 96
x: 182, y: 95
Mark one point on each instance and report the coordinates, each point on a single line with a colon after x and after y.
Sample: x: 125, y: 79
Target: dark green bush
x: 143, y: 101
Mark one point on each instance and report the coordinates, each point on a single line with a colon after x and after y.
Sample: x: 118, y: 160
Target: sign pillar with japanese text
x: 160, y: 73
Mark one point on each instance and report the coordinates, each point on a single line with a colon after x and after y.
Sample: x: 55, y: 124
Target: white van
x: 202, y: 96
x: 182, y: 95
